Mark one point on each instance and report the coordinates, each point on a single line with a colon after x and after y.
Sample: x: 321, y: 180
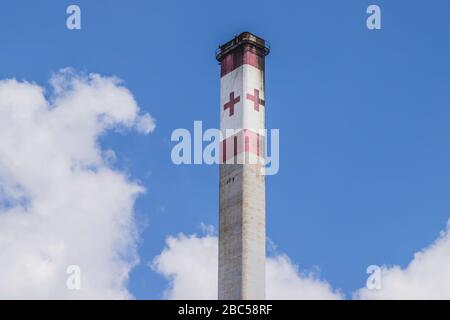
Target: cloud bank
x: 61, y: 203
x: 189, y: 263
x: 427, y: 276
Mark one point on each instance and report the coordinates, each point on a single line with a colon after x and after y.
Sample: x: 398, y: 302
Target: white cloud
x: 285, y: 281
x: 426, y: 277
x: 61, y: 203
x: 145, y: 124
x: 190, y: 265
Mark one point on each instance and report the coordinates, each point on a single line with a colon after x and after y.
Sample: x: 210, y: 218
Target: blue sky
x: 363, y: 116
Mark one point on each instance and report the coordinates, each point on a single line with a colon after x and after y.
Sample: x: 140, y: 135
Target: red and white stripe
x: 242, y: 112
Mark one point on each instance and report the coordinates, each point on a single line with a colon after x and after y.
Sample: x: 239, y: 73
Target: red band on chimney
x: 245, y: 54
x: 244, y: 141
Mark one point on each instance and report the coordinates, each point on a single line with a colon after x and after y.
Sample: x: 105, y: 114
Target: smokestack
x: 242, y: 216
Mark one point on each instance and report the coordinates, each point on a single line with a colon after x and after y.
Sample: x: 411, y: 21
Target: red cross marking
x: 231, y: 103
x: 256, y: 99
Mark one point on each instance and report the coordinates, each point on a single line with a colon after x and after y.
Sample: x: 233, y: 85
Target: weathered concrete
x: 242, y: 235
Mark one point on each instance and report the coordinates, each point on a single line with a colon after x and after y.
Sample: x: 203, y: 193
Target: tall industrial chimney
x: 242, y: 231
